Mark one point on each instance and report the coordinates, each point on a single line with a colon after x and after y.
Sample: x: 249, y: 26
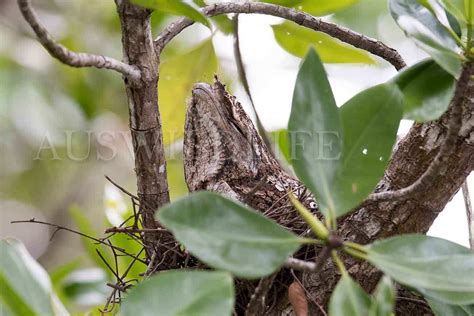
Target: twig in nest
x: 256, y: 305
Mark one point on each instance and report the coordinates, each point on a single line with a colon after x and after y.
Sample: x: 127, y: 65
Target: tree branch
x: 304, y: 19
x: 256, y: 306
x: 439, y: 163
x: 300, y: 265
x: 68, y: 57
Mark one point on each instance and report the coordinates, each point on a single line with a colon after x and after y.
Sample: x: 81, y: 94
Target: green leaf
x: 456, y: 8
x: 427, y: 90
x: 454, y: 23
x: 177, y: 76
x: 428, y: 33
x: 441, y: 309
x: 383, y: 301
x: 173, y: 293
x: 25, y: 286
x: 340, y: 175
x: 316, y: 8
x: 370, y: 122
x: 449, y: 297
x: 225, y: 234
x: 175, y: 7
x: 324, y: 7
x: 296, y: 40
x: 349, y: 298
x: 315, y: 131
x: 431, y: 265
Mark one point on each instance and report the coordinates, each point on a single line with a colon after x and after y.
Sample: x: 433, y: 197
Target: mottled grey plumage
x: 224, y: 153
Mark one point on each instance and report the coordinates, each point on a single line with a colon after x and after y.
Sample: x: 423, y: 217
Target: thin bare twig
x: 439, y: 163
x: 304, y: 19
x: 469, y: 214
x: 256, y: 305
x: 69, y: 57
x: 58, y: 227
x: 132, y: 230
x: 300, y: 265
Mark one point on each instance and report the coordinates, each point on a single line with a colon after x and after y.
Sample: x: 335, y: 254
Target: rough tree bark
x: 145, y: 122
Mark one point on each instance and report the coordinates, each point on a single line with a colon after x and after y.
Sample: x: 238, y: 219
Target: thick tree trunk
x: 145, y: 122
x: 379, y: 220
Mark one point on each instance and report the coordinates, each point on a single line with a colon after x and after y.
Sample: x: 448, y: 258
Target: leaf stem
x: 310, y: 241
x: 339, y: 263
x: 316, y: 226
x: 355, y: 246
x: 355, y: 253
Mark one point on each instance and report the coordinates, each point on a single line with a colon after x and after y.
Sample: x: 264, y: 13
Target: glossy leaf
x: 441, y: 309
x: 370, y: 122
x: 315, y: 131
x: 456, y: 8
x: 227, y: 235
x: 428, y: 33
x: 448, y: 297
x: 177, y: 76
x: 175, y: 7
x: 25, y: 286
x: 296, y: 40
x: 316, y: 8
x: 349, y: 298
x: 383, y: 302
x: 427, y: 90
x: 341, y: 175
x: 182, y: 292
x: 454, y: 23
x: 428, y: 264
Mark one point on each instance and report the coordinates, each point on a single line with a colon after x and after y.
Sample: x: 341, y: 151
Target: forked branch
x: 304, y: 19
x: 69, y: 57
x: 440, y: 161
